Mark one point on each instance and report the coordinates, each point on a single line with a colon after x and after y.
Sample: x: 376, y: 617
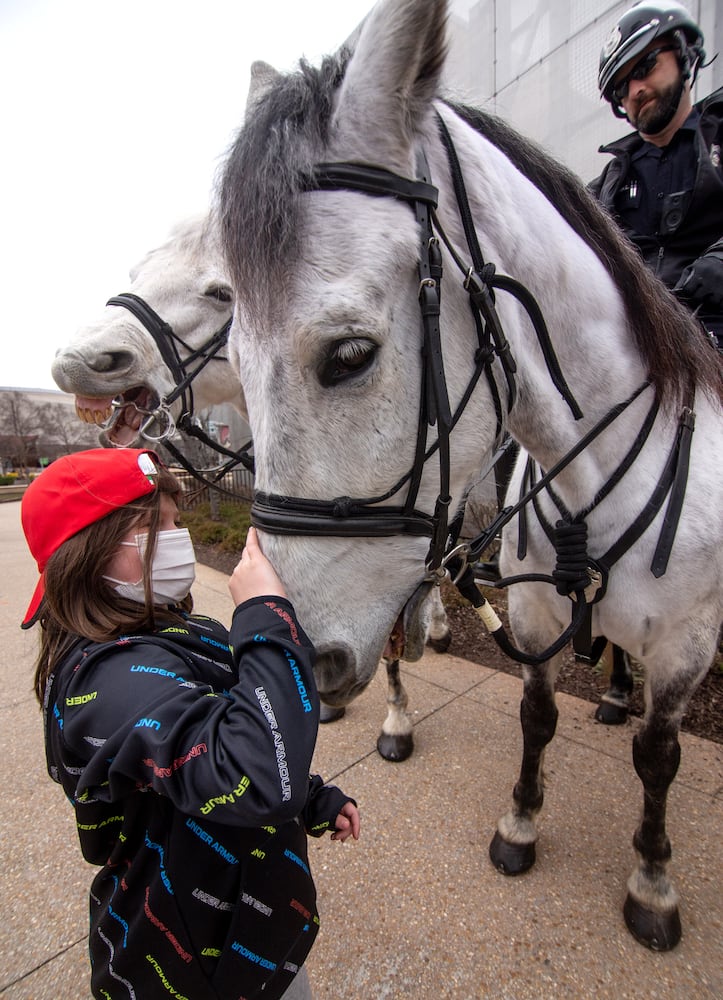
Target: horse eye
x: 346, y: 359
x: 219, y: 293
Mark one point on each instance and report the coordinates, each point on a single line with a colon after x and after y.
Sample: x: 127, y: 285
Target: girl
x: 184, y: 751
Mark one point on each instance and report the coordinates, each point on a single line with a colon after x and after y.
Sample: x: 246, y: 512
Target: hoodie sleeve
x: 323, y: 805
x: 140, y: 714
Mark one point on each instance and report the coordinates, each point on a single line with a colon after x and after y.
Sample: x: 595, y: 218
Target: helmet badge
x: 612, y: 42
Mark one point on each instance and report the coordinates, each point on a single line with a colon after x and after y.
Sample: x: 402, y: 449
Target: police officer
x: 665, y: 184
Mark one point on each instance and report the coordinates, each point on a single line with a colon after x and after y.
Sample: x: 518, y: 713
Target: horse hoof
x: 658, y: 931
x: 442, y: 644
x: 610, y: 714
x: 395, y: 748
x: 329, y: 714
x: 511, y: 859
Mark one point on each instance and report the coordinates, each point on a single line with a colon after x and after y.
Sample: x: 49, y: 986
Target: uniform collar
x: 650, y: 149
x: 632, y: 143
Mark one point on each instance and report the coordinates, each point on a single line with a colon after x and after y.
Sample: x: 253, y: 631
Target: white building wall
x: 534, y: 63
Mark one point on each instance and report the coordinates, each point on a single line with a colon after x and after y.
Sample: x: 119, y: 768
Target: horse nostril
x: 335, y: 673
x: 101, y: 362
x: 110, y: 361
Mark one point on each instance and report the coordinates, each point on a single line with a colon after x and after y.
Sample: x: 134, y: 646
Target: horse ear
x: 391, y: 78
x: 263, y: 76
x: 353, y: 38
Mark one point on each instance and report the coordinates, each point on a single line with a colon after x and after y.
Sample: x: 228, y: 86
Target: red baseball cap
x: 75, y: 491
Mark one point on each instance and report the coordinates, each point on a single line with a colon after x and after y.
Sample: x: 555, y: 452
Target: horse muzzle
x: 336, y: 674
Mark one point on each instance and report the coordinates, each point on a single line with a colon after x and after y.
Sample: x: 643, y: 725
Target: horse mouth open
x: 120, y: 417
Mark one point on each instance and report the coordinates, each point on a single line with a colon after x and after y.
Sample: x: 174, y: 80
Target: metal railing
x: 237, y: 486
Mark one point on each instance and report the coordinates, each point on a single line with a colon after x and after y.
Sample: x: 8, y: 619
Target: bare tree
x: 19, y: 423
x: 30, y: 431
x: 62, y: 432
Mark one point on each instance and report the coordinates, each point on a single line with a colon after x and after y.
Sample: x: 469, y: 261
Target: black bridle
x: 369, y: 516
x: 372, y: 516
x: 576, y: 574
x: 183, y: 371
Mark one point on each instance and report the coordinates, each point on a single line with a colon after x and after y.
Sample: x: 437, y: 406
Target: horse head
x: 119, y: 373
x: 329, y: 328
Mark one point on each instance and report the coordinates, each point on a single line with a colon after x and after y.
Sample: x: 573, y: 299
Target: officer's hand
x: 702, y: 282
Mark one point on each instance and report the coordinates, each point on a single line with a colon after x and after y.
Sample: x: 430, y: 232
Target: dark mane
x: 272, y: 159
x: 668, y: 338
x: 267, y: 167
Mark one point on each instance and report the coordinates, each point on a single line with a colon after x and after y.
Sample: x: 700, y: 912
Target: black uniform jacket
x: 697, y: 225
x: 187, y: 761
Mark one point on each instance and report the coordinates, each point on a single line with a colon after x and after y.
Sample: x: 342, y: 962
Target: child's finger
x: 354, y: 819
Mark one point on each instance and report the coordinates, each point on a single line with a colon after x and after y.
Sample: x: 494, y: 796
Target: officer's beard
x: 659, y: 113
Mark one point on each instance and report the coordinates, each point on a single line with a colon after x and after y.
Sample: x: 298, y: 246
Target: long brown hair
x: 80, y: 603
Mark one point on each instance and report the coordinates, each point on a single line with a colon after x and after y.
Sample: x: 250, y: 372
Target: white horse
x: 184, y: 285
x: 324, y: 207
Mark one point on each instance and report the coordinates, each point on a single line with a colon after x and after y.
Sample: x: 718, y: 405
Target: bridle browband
x: 183, y: 371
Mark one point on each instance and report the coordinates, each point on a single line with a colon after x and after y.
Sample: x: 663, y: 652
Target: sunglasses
x: 639, y: 71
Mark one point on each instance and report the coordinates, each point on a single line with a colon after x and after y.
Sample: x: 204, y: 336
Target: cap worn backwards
x: 75, y: 491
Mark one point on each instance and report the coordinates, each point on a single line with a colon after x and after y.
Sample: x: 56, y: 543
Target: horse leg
x: 395, y: 741
x: 512, y: 850
x: 614, y: 704
x: 651, y: 906
x: 439, y: 635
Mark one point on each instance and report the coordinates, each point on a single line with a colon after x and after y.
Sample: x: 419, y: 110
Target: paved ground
x: 414, y: 911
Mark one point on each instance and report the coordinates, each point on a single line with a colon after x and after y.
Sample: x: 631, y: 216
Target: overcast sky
x: 115, y: 116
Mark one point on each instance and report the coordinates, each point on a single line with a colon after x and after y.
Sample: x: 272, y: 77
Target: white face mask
x: 173, y: 568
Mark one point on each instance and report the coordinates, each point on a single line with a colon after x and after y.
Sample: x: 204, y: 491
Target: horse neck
x: 525, y: 237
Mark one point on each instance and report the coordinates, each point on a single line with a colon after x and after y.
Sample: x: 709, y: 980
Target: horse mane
x: 271, y: 162
x: 668, y: 338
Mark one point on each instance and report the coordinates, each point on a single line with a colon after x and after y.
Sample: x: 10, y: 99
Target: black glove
x: 702, y: 282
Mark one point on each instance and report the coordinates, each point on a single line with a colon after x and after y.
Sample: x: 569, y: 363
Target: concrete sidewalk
x: 414, y: 911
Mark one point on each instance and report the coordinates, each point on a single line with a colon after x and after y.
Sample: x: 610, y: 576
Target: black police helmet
x: 636, y: 29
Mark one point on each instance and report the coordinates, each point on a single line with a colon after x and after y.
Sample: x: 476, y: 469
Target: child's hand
x: 254, y: 575
x: 347, y: 823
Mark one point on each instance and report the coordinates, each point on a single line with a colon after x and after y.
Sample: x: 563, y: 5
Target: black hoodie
x: 698, y: 225
x: 187, y: 761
